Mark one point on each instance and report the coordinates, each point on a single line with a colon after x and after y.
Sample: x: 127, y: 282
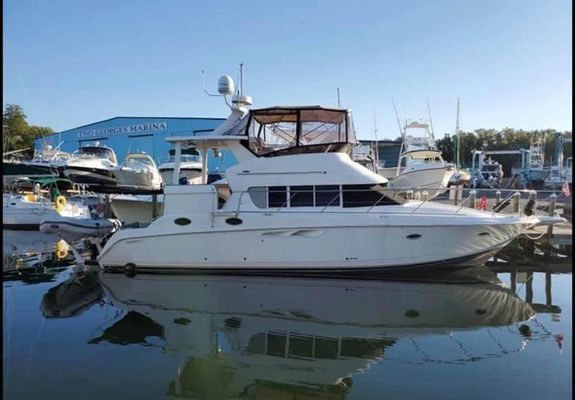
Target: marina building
x: 137, y: 134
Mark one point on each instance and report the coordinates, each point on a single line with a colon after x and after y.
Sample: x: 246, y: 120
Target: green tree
x: 16, y: 133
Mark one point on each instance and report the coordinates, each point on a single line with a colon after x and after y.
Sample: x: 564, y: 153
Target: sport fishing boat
x: 282, y: 336
x: 295, y: 202
x: 92, y: 165
x: 421, y: 165
x: 138, y: 171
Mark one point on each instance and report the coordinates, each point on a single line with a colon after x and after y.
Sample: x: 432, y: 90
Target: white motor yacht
x: 191, y: 167
x: 92, y: 165
x: 138, y: 171
x: 420, y: 164
x: 296, y: 203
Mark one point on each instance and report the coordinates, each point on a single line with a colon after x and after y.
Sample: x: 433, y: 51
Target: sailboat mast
x: 376, y: 155
x: 457, y: 137
x: 430, y: 120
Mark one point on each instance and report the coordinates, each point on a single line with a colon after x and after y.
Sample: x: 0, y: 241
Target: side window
x: 327, y: 196
x: 301, y: 196
x: 364, y: 196
x: 277, y: 196
x: 258, y: 196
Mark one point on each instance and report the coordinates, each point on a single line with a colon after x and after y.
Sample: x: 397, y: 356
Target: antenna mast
x: 338, y: 100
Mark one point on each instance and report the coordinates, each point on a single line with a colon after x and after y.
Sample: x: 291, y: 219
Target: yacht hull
x: 139, y: 179
x: 26, y: 218
x: 90, y: 176
x: 309, y: 250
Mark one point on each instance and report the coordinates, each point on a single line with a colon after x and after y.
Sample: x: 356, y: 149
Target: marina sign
x: 149, y: 127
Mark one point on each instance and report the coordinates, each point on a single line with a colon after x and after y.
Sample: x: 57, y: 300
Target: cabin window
x: 258, y: 195
x: 365, y: 196
x: 277, y: 196
x: 300, y: 346
x: 301, y: 196
x: 327, y: 196
x: 276, y: 344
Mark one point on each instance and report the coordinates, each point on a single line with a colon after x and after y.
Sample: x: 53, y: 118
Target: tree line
x: 505, y: 139
x: 17, y: 134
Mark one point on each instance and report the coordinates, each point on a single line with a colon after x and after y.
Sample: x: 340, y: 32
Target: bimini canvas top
x: 290, y: 130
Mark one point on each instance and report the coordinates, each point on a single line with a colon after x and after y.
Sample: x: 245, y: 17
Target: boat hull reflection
x: 284, y: 335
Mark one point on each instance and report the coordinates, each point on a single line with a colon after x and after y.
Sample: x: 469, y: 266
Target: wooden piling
x: 552, y: 201
x: 497, y: 199
x: 472, y: 198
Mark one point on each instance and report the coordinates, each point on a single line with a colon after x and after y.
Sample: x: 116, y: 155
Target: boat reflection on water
x: 73, y: 296
x: 32, y: 257
x: 257, y: 337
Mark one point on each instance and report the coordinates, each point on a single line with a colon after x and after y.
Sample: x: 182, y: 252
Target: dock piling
x: 472, y: 198
x: 497, y: 199
x: 552, y: 200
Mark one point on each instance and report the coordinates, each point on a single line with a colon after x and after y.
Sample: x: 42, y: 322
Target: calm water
x: 500, y: 331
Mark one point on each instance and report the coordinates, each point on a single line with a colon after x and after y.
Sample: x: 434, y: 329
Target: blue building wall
x: 132, y: 134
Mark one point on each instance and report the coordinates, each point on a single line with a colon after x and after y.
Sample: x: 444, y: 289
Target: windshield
x: 98, y: 152
x: 277, y: 129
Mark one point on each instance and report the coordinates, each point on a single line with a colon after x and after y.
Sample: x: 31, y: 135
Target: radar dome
x: 226, y: 85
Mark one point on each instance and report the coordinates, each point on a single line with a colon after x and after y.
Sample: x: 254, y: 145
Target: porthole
x: 484, y: 234
x: 234, y: 221
x: 413, y: 236
x: 182, y: 221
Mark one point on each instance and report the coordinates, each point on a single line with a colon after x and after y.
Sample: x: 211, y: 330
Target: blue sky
x: 73, y: 62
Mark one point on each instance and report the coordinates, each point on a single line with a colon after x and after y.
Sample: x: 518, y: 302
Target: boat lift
x: 478, y: 161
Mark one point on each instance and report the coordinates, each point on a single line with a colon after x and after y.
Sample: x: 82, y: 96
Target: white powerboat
x: 72, y: 229
x: 92, y: 165
x: 485, y: 172
x: 420, y: 164
x: 27, y: 212
x: 47, y: 162
x: 136, y: 209
x: 296, y: 203
x: 191, y: 167
x: 289, y: 335
x: 138, y: 171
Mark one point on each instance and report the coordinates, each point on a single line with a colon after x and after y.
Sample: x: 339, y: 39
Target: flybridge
x: 151, y: 127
